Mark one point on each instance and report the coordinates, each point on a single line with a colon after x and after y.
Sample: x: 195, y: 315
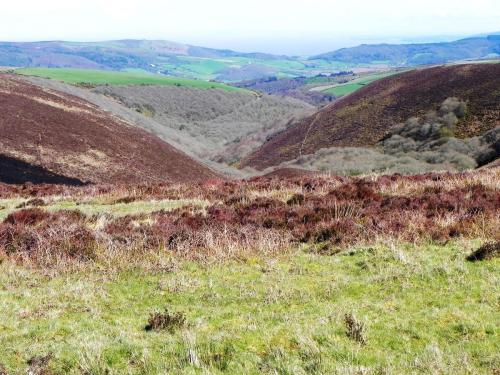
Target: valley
x: 173, y: 209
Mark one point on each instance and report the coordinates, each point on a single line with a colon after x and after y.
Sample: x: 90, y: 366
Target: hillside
x: 89, y: 77
x: 220, y: 125
x: 55, y: 137
x: 182, y: 60
x: 417, y: 54
x: 366, y: 116
x: 157, y: 56
x: 115, y: 54
x: 211, y: 125
x: 307, y: 274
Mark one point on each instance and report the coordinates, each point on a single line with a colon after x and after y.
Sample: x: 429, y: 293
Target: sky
x: 294, y: 27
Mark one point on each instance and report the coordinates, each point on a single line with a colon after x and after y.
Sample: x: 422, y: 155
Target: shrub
x: 487, y: 251
x: 18, y: 239
x: 355, y: 329
x: 296, y: 199
x: 36, y: 202
x: 28, y: 217
x: 166, y: 321
x: 76, y: 242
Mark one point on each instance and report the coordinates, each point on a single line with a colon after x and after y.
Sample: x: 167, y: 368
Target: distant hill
x: 117, y: 54
x: 183, y: 60
x: 417, y: 54
x: 49, y: 136
x: 366, y: 116
x: 156, y: 56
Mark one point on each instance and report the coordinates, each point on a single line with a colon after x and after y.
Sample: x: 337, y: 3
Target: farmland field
x: 215, y: 68
x: 356, y: 84
x: 101, y: 77
x: 310, y: 275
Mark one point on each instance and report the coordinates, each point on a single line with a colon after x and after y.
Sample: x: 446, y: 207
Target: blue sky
x: 278, y: 26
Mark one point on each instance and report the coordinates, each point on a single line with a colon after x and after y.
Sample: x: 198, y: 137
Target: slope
x: 366, y: 116
x: 71, y: 138
x: 417, y: 54
x: 89, y: 77
x: 215, y: 124
x: 156, y: 56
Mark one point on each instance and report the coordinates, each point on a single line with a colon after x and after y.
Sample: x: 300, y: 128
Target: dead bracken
x: 166, y: 321
x: 355, y: 329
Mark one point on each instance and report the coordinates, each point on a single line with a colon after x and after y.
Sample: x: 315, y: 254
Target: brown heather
x: 265, y: 216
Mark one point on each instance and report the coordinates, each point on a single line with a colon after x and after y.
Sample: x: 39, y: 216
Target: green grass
x: 356, y: 84
x: 284, y: 65
x: 95, y: 207
x: 9, y: 205
x: 203, y: 68
x: 424, y: 308
x: 344, y: 89
x: 101, y: 77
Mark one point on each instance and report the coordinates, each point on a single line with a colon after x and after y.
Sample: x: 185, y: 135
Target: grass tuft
x: 166, y: 321
x: 355, y: 329
x: 487, y: 251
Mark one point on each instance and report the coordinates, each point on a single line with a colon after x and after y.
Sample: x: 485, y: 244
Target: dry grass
x: 226, y: 220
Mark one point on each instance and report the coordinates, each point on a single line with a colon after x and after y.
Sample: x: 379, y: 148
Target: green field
x: 356, y: 84
x: 214, y: 68
x: 101, y: 77
x: 421, y: 310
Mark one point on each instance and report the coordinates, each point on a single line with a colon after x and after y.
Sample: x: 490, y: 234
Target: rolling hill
x: 366, y: 116
x: 49, y: 136
x: 116, y: 54
x: 417, y: 54
x: 182, y: 60
x: 90, y: 77
x: 211, y: 125
x: 154, y: 56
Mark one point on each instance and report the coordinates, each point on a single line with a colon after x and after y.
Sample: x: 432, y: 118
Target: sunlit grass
x: 424, y: 308
x: 101, y: 77
x: 99, y: 206
x: 356, y: 84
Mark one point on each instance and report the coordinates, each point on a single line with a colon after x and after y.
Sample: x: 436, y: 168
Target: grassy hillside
x: 177, y: 59
x: 163, y: 57
x: 312, y: 275
x: 262, y: 316
x: 418, y: 54
x: 356, y: 84
x: 101, y: 77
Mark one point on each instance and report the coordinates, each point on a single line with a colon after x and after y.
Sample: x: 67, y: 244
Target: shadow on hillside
x: 14, y: 171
